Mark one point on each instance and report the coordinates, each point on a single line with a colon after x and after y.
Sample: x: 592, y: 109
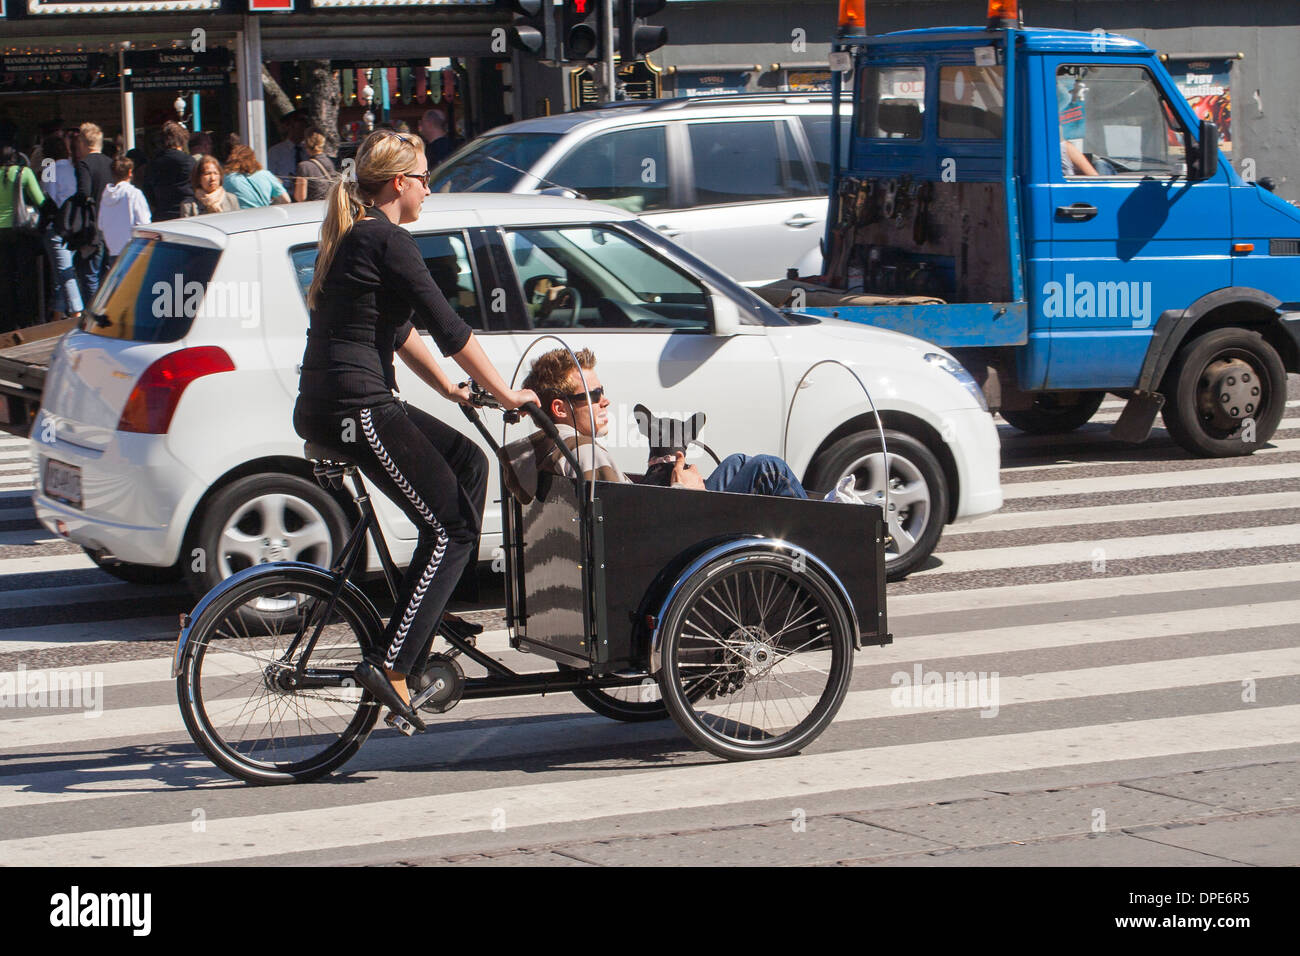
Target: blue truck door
x: 1131, y: 238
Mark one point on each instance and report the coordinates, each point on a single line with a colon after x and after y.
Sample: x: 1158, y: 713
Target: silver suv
x: 739, y: 180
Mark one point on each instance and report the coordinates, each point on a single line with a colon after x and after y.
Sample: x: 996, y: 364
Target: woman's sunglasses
x: 422, y: 177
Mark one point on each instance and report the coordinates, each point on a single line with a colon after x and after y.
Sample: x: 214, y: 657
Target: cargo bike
x: 735, y: 615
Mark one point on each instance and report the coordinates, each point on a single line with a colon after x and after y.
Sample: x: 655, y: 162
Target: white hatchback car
x: 164, y: 445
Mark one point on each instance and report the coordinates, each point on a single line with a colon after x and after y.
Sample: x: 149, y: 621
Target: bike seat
x: 315, y: 451
x: 329, y: 464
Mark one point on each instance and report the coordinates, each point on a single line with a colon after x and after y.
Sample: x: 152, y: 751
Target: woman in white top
x: 59, y: 183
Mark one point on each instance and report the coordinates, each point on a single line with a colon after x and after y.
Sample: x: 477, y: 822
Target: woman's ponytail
x: 380, y: 157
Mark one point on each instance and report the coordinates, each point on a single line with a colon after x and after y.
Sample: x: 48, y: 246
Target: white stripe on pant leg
x: 435, y: 559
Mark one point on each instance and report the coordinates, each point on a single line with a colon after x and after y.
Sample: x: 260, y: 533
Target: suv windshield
x: 484, y: 166
x: 157, y: 288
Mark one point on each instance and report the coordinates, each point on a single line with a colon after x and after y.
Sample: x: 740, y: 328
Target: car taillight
x: 152, y: 402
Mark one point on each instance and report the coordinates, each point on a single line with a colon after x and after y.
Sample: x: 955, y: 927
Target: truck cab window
x: 1121, y: 123
x: 891, y: 102
x: 971, y: 104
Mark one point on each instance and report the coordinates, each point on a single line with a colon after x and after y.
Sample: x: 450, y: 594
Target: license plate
x: 63, y: 482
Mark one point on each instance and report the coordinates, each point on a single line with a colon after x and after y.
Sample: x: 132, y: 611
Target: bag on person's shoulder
x: 75, y: 221
x: 27, y: 218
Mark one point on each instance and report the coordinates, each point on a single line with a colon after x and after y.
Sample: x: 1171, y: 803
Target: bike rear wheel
x: 241, y: 696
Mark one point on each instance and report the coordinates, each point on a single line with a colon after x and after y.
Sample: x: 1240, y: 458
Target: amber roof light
x: 853, y: 18
x: 1004, y: 14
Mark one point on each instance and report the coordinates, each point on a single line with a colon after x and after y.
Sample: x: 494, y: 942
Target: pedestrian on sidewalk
x: 61, y: 184
x: 18, y: 248
x: 122, y: 209
x: 252, y: 185
x: 94, y: 172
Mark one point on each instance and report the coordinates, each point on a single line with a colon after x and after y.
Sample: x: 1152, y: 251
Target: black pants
x: 439, y: 478
x: 19, y: 275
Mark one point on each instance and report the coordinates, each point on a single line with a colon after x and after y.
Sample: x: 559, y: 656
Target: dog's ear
x: 695, y: 425
x: 643, y: 419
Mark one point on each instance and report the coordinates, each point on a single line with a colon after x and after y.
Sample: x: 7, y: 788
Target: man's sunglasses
x: 581, y: 397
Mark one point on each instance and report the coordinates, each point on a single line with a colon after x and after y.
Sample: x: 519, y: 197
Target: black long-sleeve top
x: 377, y: 280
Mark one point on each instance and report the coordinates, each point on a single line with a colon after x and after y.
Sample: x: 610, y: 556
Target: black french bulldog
x: 667, y: 437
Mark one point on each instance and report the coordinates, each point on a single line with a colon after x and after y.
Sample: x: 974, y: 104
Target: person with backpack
x: 314, y: 174
x: 94, y: 172
x: 122, y: 208
x: 60, y: 178
x: 21, y: 198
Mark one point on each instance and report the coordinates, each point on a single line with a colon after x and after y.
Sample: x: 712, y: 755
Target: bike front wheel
x: 244, y: 699
x: 757, y: 655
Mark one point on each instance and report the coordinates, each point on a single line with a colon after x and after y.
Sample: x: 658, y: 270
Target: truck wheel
x: 918, y: 491
x: 259, y: 519
x: 1226, y: 393
x: 1055, y: 414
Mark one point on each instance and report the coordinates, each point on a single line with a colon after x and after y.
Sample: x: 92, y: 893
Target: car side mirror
x: 727, y: 317
x: 1207, y: 152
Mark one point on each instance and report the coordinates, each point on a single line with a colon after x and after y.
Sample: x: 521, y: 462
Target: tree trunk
x: 274, y: 96
x: 321, y: 97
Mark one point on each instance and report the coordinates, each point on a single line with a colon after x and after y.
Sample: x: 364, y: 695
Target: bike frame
x: 500, y: 681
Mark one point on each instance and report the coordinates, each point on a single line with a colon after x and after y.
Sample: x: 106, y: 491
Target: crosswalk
x: 1128, y: 606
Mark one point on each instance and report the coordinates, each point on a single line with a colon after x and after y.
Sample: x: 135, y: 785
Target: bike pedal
x: 402, y: 724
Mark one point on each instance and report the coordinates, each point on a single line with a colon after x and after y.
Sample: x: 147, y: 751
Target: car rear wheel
x: 918, y: 491
x: 259, y: 519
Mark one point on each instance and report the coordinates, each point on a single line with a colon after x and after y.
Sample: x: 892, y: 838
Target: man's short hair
x: 92, y: 135
x: 549, y: 376
x: 437, y: 117
x: 122, y: 169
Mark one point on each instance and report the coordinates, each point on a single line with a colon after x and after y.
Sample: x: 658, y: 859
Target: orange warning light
x: 1004, y: 13
x: 853, y: 18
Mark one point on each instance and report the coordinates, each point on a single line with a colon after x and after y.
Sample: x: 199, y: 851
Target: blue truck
x: 1046, y: 205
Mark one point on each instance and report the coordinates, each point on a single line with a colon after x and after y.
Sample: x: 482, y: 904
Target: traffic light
x: 582, y: 29
x: 533, y: 27
x: 635, y: 38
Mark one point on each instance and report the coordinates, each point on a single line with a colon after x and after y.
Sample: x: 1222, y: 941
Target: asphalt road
x: 1135, y: 609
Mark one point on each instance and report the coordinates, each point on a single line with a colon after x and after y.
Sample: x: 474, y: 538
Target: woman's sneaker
x: 845, y: 492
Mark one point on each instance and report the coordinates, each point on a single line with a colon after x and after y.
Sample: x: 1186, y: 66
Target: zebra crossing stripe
x: 1277, y: 447
x: 49, y: 562
x: 1139, y: 511
x: 702, y: 785
x: 1112, y: 549
x: 67, y: 786
x: 21, y: 729
x: 1150, y: 480
x: 1100, y: 588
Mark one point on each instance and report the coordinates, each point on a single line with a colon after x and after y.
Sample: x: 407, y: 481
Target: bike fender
x: 744, y: 544
x: 257, y: 570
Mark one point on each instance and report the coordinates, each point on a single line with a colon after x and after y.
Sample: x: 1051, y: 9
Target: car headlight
x: 955, y: 369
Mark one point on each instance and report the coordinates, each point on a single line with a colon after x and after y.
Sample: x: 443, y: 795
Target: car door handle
x: 669, y: 231
x: 799, y: 221
x: 1077, y: 212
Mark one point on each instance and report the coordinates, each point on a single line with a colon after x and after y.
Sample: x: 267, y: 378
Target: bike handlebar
x: 479, y: 397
